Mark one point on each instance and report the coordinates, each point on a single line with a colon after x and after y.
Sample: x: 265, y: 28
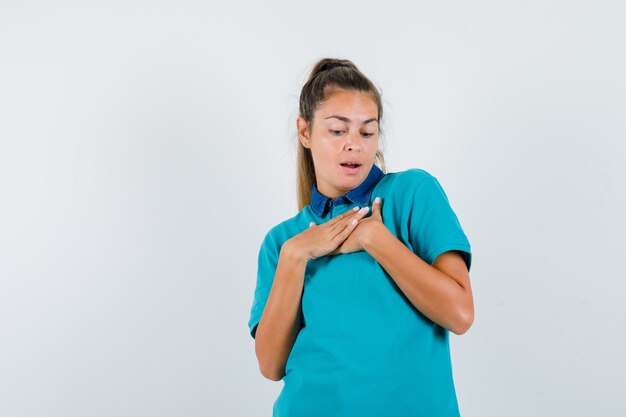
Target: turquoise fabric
x: 363, y: 348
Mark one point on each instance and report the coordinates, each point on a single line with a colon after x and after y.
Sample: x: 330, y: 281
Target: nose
x: 352, y: 143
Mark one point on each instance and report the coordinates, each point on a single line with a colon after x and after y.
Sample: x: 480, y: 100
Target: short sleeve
x: 434, y: 227
x: 267, y: 262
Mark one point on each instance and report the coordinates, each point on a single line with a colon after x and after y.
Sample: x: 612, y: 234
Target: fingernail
x: 364, y: 210
x: 377, y: 200
x: 355, y: 208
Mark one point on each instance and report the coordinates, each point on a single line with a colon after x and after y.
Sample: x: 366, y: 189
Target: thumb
x: 376, y: 206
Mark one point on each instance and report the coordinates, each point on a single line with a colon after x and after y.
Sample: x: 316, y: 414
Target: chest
x: 345, y: 289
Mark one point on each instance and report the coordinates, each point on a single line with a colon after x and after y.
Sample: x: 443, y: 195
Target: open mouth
x: 350, y: 168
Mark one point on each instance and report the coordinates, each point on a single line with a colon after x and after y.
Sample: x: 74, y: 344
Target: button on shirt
x: 363, y: 349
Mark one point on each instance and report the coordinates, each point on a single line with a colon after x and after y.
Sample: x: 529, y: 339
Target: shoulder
x: 409, y: 180
x: 415, y: 175
x: 286, y: 229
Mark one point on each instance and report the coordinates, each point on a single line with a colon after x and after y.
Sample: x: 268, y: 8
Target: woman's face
x: 345, y: 129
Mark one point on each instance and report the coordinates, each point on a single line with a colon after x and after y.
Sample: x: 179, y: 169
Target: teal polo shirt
x: 363, y: 349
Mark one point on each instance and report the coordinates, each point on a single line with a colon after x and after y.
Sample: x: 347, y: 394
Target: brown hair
x: 328, y: 73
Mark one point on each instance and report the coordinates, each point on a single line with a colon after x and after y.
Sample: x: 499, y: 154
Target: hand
x: 354, y: 242
x: 318, y: 241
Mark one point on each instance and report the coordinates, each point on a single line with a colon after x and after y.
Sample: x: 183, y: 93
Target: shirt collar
x: 359, y: 195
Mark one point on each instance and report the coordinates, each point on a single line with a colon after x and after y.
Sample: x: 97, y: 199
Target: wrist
x: 373, y: 234
x: 293, y: 252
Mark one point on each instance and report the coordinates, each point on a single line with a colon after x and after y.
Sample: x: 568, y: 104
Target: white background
x: 146, y: 147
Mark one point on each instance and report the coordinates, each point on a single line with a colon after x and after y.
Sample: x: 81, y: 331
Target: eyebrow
x: 345, y: 119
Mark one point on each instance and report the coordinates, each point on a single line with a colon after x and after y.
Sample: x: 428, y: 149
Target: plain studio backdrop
x: 148, y: 146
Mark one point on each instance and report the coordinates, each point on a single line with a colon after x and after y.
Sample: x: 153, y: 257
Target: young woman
x: 356, y: 294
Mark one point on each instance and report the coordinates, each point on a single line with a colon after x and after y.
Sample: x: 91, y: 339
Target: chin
x: 353, y: 182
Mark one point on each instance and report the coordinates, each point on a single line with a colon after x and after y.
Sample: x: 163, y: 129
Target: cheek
x: 324, y: 155
x: 370, y: 147
x: 329, y: 148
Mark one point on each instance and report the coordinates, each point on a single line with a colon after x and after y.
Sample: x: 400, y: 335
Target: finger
x: 311, y: 224
x: 350, y: 226
x: 336, y: 224
x: 332, y: 223
x: 377, y: 204
x: 340, y: 227
x: 348, y: 213
x: 362, y: 212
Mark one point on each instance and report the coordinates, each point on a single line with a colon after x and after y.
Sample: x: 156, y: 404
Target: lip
x: 351, y: 170
x: 351, y: 161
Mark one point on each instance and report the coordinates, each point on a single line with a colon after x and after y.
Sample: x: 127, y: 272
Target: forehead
x: 355, y: 105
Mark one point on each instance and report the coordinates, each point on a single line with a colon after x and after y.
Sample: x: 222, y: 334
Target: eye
x: 336, y: 132
x: 367, y: 135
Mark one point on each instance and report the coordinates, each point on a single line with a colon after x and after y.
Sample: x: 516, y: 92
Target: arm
x: 441, y: 292
x: 280, y: 322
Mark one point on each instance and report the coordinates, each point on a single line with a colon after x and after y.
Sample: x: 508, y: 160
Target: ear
x: 303, y: 134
